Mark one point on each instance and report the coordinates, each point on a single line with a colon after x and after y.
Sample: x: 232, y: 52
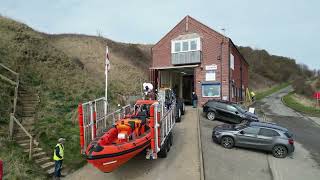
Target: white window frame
x: 173, y: 42
x: 202, y: 90
x: 231, y: 61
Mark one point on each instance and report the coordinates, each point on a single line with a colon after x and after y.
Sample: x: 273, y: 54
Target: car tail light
x: 290, y: 141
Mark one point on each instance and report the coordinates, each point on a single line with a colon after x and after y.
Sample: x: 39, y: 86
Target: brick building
x: 194, y: 57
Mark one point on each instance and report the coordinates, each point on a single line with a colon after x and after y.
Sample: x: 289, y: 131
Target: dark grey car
x: 257, y: 135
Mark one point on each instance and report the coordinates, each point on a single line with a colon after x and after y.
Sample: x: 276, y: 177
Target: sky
x: 288, y: 28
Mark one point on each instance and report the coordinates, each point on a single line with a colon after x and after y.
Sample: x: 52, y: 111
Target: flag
x: 107, y: 60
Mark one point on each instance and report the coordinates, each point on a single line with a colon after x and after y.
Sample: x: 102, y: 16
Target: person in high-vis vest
x: 58, y: 155
x: 253, y: 96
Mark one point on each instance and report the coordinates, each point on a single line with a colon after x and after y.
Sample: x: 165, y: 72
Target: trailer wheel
x: 178, y: 116
x: 163, y: 152
x: 168, y: 145
x: 171, y: 139
x: 182, y: 109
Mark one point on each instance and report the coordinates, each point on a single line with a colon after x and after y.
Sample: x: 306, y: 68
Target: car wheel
x: 211, y: 115
x: 227, y: 142
x: 279, y: 151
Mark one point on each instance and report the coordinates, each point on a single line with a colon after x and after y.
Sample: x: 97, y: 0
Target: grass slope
x: 66, y: 71
x: 293, y: 103
x: 264, y: 93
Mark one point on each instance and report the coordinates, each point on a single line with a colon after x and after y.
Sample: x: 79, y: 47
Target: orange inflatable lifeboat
x: 127, y: 138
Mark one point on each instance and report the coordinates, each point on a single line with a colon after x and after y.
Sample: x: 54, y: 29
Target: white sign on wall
x: 211, y: 75
x: 211, y: 67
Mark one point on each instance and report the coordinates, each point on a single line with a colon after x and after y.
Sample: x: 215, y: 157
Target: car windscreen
x: 240, y: 108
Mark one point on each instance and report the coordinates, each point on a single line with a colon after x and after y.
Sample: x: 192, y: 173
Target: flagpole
x: 106, y: 90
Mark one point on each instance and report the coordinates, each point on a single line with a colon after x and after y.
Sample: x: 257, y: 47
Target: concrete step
x: 27, y: 115
x: 25, y: 145
x: 47, y: 166
x: 28, y: 122
x: 28, y: 108
x: 34, y: 150
x: 21, y: 133
x: 27, y: 94
x: 28, y: 98
x: 29, y: 128
x: 39, y: 155
x: 29, y: 103
x: 25, y: 101
x: 50, y: 171
x: 21, y: 137
x: 24, y: 141
x: 43, y: 160
x: 28, y: 112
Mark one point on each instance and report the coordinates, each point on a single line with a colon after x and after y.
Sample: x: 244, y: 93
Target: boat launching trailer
x: 109, y: 140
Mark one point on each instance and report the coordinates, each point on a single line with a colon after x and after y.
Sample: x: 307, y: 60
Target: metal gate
x: 95, y: 118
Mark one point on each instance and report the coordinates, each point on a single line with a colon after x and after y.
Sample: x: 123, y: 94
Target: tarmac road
x: 182, y: 162
x: 239, y: 163
x: 306, y: 129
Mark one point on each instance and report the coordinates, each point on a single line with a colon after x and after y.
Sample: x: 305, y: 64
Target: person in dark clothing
x: 58, y: 156
x: 194, y: 99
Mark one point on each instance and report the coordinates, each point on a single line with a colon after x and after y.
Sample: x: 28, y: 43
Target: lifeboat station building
x: 194, y: 57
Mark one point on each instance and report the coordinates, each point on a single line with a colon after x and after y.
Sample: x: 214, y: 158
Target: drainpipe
x: 220, y: 58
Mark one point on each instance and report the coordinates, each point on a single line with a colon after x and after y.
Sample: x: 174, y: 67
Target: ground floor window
x: 211, y: 90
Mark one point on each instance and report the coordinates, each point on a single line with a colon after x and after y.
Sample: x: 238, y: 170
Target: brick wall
x: 212, y: 45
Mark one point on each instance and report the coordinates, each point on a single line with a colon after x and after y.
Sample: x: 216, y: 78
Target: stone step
x: 50, y: 171
x: 39, y: 155
x: 47, y: 166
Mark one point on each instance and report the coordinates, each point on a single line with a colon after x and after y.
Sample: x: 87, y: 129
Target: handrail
x: 13, y: 118
x: 8, y: 69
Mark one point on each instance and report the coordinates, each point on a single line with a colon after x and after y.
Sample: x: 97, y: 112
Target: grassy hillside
x: 267, y: 70
x: 66, y: 70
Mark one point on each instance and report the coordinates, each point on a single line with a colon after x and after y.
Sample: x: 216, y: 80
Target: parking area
x: 236, y: 163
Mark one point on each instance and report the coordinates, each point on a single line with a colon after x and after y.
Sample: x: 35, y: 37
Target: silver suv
x: 257, y: 135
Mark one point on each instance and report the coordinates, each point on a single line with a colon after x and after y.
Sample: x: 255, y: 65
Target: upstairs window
x: 177, y: 46
x: 185, y: 45
x: 193, y: 45
x: 231, y: 61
